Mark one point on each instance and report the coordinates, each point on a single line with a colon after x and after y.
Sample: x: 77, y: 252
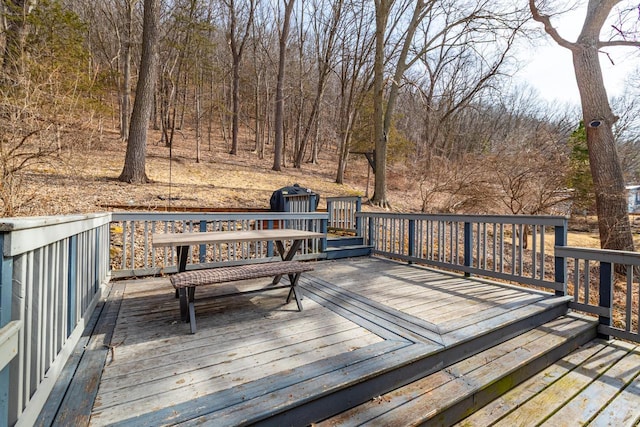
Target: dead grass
x: 85, y: 179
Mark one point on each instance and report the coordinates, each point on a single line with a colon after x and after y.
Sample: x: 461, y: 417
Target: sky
x: 549, y: 67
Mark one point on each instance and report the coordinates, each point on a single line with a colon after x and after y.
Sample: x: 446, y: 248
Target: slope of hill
x: 84, y: 179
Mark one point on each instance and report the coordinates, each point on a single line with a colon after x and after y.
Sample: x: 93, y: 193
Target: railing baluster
x: 628, y: 319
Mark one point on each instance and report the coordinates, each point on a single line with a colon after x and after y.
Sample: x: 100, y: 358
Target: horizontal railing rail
x: 134, y: 255
x: 606, y: 283
x: 52, y: 275
x: 342, y: 213
x: 514, y: 248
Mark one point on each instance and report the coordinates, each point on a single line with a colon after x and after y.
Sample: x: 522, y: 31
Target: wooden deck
x: 369, y: 326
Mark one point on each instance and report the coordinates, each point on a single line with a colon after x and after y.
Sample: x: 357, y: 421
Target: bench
x: 185, y: 283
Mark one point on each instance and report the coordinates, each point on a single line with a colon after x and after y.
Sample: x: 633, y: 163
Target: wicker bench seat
x: 186, y: 282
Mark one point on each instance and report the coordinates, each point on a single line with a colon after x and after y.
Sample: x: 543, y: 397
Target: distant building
x: 633, y: 197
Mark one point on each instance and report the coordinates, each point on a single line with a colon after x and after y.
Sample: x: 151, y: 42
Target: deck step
x: 595, y: 385
x: 338, y: 242
x: 450, y: 394
x: 349, y: 251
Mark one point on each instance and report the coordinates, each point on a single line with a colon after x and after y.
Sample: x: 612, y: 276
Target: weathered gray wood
x: 624, y: 409
x: 547, y: 402
x: 9, y: 342
x: 256, y: 360
x: 184, y: 239
x: 517, y: 396
x: 586, y: 404
x: 384, y: 318
x: 424, y: 400
x: 80, y: 396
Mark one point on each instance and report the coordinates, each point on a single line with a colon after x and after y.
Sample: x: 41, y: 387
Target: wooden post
x: 323, y: 229
x: 468, y: 247
x: 203, y: 248
x: 412, y: 238
x: 606, y: 295
x: 358, y: 220
x: 6, y: 283
x: 561, y: 262
x: 270, y: 250
x: 72, y: 280
x: 370, y: 238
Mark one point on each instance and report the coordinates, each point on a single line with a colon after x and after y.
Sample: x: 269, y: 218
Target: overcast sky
x: 550, y: 68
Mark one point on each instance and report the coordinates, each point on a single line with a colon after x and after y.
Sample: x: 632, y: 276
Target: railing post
x: 323, y: 229
x: 358, y: 224
x: 312, y: 202
x: 468, y: 247
x: 72, y: 281
x: 412, y: 238
x: 270, y: 243
x: 6, y: 284
x: 330, y: 211
x: 606, y: 294
x: 370, y: 239
x: 560, y: 263
x: 203, y: 248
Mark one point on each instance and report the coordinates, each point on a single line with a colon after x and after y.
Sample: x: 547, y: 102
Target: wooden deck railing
x: 51, y: 277
x: 515, y: 248
x: 342, y: 213
x: 597, y: 289
x: 133, y: 254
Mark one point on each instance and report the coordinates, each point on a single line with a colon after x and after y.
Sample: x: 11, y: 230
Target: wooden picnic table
x: 185, y: 282
x: 182, y: 241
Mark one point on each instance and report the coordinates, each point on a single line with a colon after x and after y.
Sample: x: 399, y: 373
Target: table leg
x: 183, y: 253
x: 287, y: 256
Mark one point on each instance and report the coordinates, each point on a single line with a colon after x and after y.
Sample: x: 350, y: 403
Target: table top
x: 198, y: 238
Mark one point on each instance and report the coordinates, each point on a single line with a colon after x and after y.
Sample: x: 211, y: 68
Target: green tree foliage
x: 580, y: 179
x: 56, y: 47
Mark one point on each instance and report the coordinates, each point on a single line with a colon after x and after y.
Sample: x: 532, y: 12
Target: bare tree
x: 611, y: 200
x: 134, y: 170
x: 325, y: 32
x: 355, y: 73
x: 483, y: 18
x: 278, y: 144
x: 239, y: 19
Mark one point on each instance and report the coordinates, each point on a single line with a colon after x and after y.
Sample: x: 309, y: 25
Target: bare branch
x: 549, y: 28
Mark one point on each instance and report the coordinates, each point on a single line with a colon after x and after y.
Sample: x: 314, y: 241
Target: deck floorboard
x: 255, y: 355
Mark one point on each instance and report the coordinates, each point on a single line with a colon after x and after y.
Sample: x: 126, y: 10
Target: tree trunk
x: 278, y: 144
x: 134, y: 163
x: 125, y: 91
x: 235, y: 95
x: 380, y: 188
x: 608, y: 181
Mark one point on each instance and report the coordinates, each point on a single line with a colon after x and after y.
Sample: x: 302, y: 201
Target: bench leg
x: 184, y: 303
x: 187, y: 306
x: 191, y: 299
x: 292, y: 291
x: 192, y: 317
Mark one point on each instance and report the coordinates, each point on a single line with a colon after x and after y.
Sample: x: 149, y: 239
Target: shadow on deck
x: 369, y: 326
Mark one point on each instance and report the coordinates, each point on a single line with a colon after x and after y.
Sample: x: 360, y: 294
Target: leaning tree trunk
x: 134, y: 162
x: 608, y: 180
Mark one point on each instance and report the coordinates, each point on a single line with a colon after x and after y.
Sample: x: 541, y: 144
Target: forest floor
x: 84, y: 179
